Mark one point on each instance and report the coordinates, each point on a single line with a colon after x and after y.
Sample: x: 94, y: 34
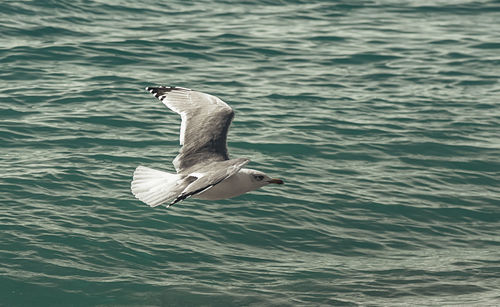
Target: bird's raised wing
x: 205, y: 123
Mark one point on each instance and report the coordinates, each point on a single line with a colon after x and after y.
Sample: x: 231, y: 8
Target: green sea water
x: 382, y: 117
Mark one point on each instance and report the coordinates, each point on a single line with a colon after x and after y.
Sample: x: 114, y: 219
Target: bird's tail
x: 155, y: 187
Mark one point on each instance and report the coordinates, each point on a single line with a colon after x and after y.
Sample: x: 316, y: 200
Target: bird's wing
x: 204, y: 126
x: 210, y: 175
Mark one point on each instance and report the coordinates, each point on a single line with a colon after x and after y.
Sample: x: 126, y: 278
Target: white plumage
x: 203, y: 167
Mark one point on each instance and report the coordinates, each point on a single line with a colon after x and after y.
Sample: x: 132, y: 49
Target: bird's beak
x: 276, y: 180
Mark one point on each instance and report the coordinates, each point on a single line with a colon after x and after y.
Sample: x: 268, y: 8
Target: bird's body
x: 204, y: 169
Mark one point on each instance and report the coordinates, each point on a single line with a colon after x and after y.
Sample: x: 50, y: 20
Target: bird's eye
x: 259, y: 177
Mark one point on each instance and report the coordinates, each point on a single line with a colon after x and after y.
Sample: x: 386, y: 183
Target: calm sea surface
x: 382, y: 117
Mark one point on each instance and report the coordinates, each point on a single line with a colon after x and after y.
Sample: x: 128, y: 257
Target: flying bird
x: 203, y: 167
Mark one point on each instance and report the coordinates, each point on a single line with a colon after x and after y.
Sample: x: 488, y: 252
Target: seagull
x: 203, y: 167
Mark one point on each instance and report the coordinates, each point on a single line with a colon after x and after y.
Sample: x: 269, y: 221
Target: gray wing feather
x: 214, y: 173
x: 205, y: 123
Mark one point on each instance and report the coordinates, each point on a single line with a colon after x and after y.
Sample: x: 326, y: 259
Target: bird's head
x: 260, y: 179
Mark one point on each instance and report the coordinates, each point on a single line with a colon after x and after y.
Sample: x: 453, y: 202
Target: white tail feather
x: 155, y: 187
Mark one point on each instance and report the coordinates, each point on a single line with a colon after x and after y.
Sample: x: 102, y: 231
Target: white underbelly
x: 230, y: 187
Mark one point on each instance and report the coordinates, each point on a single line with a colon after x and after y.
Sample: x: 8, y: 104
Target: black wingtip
x: 166, y: 88
x: 162, y: 87
x: 161, y: 92
x: 178, y: 199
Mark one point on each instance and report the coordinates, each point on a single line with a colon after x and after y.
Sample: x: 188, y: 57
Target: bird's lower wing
x: 210, y: 175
